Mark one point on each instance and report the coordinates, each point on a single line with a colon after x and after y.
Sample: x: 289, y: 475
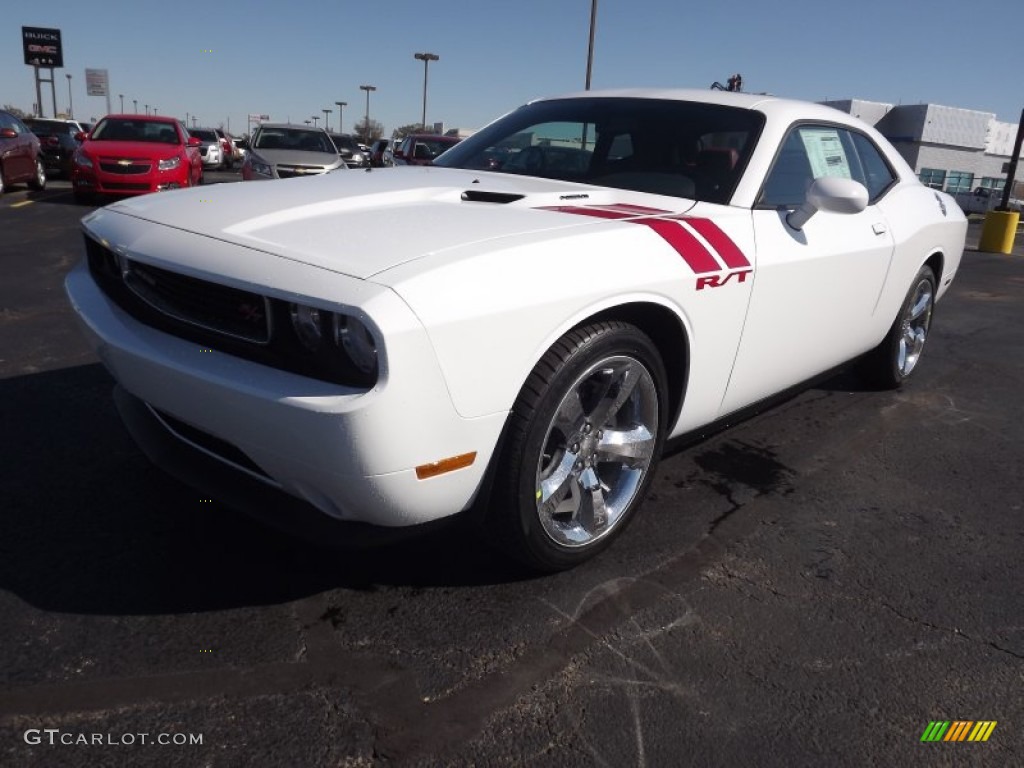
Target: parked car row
x: 218, y: 148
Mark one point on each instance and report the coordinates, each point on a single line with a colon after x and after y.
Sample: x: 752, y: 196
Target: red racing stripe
x: 639, y: 209
x: 599, y: 213
x: 686, y: 245
x: 692, y: 250
x: 731, y: 255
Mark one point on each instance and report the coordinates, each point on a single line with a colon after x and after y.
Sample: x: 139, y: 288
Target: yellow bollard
x: 998, y: 231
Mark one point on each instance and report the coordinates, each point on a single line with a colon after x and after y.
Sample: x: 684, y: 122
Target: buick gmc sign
x: 42, y: 47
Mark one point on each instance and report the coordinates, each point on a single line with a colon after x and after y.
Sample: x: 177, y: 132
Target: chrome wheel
x: 914, y: 327
x: 597, y: 450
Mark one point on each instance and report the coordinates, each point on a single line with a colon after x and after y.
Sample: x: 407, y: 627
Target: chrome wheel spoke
x: 593, y: 514
x: 633, y: 447
x: 921, y: 306
x: 619, y: 384
x: 570, y: 415
x: 559, y: 484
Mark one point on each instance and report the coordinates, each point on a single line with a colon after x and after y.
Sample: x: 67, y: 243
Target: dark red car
x: 421, y: 148
x: 20, y: 158
x: 133, y: 155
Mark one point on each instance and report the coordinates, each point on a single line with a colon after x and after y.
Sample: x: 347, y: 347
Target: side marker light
x: 425, y: 471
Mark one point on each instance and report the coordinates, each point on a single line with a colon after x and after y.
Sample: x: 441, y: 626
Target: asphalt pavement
x: 812, y: 586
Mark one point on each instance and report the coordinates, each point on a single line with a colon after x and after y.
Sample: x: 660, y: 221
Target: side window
x: 815, y: 151
x: 878, y: 176
x: 790, y: 177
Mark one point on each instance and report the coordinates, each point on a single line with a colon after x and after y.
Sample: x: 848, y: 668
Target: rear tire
x: 894, y: 360
x: 582, y: 445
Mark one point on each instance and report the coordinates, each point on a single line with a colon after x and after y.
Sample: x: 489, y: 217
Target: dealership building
x: 949, y: 148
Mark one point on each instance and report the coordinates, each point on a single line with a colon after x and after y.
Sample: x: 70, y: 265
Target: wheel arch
x: 936, y: 261
x: 668, y: 332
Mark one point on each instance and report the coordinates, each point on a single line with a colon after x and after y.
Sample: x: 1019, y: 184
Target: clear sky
x: 291, y: 59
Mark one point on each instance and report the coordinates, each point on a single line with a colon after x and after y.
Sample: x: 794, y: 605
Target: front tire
x: 583, y: 442
x: 894, y: 360
x: 38, y: 182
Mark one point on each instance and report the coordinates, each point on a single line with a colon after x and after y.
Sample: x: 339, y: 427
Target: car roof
x: 775, y: 106
x: 297, y: 126
x: 148, y: 118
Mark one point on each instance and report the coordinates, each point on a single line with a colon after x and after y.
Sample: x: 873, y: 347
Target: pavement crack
x: 956, y: 631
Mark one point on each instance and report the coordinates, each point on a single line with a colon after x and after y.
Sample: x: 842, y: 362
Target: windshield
x: 666, y: 147
x: 293, y: 138
x: 126, y: 129
x: 203, y: 135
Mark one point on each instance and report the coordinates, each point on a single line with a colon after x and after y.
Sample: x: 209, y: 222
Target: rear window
x: 49, y: 129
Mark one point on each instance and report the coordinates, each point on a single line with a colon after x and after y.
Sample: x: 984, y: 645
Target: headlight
x: 306, y: 322
x: 169, y: 164
x: 82, y: 160
x: 355, y: 339
x: 357, y: 157
x: 322, y: 335
x: 260, y: 168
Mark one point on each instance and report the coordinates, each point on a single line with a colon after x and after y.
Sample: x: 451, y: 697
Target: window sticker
x: 825, y: 152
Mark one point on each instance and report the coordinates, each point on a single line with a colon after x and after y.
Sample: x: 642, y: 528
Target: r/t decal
x: 717, y: 281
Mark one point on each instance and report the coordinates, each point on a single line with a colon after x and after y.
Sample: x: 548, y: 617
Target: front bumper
x: 112, y: 184
x: 349, y: 453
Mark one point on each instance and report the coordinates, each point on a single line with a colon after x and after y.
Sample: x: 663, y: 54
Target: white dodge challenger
x: 517, y: 328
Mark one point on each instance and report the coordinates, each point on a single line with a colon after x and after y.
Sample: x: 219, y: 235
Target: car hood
x: 362, y: 223
x: 295, y: 157
x: 149, y: 149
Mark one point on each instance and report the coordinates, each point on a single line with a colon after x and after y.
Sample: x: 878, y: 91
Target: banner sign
x: 42, y: 47
x: 96, y: 82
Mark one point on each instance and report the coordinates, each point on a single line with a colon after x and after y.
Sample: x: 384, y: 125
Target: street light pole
x: 147, y: 109
x: 121, y: 97
x: 135, y: 106
x: 590, y: 49
x: 341, y: 105
x: 426, y: 58
x: 315, y: 118
x: 71, y: 105
x: 327, y: 119
x: 366, y: 125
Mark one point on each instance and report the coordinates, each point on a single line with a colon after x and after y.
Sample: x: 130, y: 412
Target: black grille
x: 288, y: 171
x: 213, y: 316
x: 222, y: 449
x: 133, y: 168
x: 126, y: 187
x: 241, y: 314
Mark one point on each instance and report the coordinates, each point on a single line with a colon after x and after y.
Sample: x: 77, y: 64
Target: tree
x: 376, y: 130
x: 15, y: 111
x: 405, y: 130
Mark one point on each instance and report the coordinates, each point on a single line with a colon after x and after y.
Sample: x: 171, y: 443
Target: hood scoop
x: 480, y: 196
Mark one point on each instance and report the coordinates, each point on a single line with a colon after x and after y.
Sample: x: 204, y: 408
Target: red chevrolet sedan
x: 133, y: 155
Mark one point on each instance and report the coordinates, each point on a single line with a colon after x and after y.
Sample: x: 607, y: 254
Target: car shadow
x: 91, y: 527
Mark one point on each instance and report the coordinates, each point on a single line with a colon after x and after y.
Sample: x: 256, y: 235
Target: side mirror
x: 830, y: 193
x: 193, y: 141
